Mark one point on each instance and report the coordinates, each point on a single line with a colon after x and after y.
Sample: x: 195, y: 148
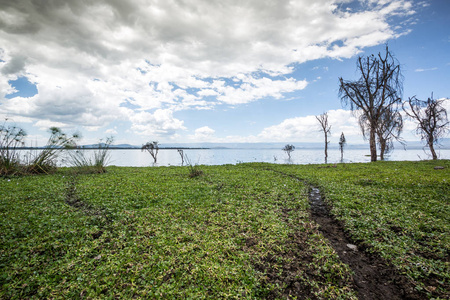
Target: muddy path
x: 373, y: 278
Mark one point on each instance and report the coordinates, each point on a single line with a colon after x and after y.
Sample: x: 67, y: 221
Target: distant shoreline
x: 113, y: 148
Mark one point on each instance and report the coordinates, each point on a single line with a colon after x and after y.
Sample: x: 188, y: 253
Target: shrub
x: 194, y: 170
x: 11, y: 138
x: 45, y: 161
x: 95, y: 164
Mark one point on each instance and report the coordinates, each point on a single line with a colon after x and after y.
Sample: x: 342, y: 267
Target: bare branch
x: 379, y: 89
x: 323, y: 120
x: 431, y: 117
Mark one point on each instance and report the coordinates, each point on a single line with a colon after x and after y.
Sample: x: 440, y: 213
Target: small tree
x: 288, y: 149
x: 323, y: 120
x: 431, y: 118
x: 342, y: 143
x: 152, y: 148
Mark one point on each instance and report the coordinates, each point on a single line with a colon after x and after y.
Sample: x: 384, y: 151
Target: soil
x: 373, y: 277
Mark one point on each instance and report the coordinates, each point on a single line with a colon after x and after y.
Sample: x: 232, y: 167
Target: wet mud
x: 373, y: 278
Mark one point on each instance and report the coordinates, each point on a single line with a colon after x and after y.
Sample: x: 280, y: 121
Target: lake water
x: 170, y: 157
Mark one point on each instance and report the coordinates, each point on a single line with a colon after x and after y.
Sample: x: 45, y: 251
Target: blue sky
x: 208, y: 71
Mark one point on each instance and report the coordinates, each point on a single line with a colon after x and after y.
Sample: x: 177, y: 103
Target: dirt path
x: 373, y: 278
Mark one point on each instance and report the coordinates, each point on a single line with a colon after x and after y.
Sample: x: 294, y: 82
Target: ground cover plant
x: 399, y: 210
x: 237, y: 231
x: 158, y: 233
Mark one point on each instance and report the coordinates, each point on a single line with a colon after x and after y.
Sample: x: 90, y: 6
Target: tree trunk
x: 431, y: 146
x: 326, y: 147
x: 382, y: 148
x: 373, y: 143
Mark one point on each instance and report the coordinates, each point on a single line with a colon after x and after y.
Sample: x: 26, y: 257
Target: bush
x: 46, y: 160
x: 11, y: 138
x: 194, y: 170
x: 95, y: 164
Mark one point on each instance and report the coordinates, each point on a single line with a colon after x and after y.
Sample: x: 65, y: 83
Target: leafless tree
x: 152, y: 148
x: 378, y: 89
x: 288, y: 149
x: 390, y: 127
x: 323, y: 120
x: 431, y: 118
x: 180, y: 151
x: 342, y: 143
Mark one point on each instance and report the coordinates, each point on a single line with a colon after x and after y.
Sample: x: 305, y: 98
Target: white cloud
x: 424, y: 70
x: 306, y: 129
x: 111, y: 131
x: 203, y: 134
x: 94, y: 61
x: 46, y: 124
x: 161, y: 123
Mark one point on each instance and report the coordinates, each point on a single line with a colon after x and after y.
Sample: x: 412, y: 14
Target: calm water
x: 170, y: 157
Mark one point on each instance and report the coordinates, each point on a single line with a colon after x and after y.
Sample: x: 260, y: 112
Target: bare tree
x: 390, y: 127
x: 431, y: 118
x: 288, y: 149
x: 180, y: 151
x: 379, y: 88
x: 323, y: 120
x: 342, y: 143
x: 152, y: 148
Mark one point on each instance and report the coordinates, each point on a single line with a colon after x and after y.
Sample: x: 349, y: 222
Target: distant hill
x: 444, y: 144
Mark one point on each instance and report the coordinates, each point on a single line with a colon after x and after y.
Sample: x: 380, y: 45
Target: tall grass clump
x: 97, y: 162
x: 46, y: 160
x: 194, y: 170
x: 11, y: 138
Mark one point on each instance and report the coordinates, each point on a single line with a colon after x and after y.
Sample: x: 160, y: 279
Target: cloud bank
x: 141, y: 61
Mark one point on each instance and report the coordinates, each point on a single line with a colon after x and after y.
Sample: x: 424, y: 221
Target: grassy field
x: 237, y: 231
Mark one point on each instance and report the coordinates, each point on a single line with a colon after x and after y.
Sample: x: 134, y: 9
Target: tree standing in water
x: 323, y: 120
x: 378, y: 89
x: 342, y: 143
x: 288, y: 149
x: 431, y: 118
x: 152, y: 148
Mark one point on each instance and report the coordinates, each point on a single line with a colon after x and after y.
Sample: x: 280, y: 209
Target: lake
x: 170, y: 157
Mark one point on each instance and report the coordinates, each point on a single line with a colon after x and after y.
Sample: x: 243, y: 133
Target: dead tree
x: 431, y: 118
x: 379, y: 88
x: 342, y: 143
x: 323, y: 120
x: 152, y: 148
x: 180, y: 151
x: 288, y: 149
x: 390, y: 127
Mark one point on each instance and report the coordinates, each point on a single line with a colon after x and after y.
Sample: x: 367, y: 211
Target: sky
x: 192, y: 71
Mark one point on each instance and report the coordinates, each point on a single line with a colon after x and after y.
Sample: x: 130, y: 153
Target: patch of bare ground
x: 373, y: 277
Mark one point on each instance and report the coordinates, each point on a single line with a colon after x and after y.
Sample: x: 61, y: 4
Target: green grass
x: 399, y: 210
x: 234, y: 232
